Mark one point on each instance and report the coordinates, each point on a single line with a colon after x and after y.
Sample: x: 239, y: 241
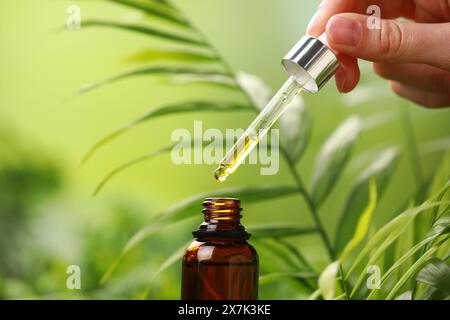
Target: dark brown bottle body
x: 220, y: 264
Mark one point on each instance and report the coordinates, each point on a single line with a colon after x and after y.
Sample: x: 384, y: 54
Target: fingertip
x: 396, y: 87
x: 340, y: 79
x: 315, y: 26
x: 348, y: 75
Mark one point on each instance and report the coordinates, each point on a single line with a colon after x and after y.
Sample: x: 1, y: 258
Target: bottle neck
x: 222, y: 220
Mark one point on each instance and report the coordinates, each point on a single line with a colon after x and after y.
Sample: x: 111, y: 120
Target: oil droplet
x: 220, y: 174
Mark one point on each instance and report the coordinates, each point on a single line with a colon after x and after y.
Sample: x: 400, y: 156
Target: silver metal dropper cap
x: 311, y: 62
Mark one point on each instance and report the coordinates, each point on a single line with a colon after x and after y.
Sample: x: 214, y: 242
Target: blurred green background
x: 48, y: 218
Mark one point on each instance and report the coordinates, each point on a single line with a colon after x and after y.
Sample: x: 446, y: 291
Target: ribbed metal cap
x: 311, y: 62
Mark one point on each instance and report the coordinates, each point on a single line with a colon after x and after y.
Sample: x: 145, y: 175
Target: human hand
x: 413, y: 55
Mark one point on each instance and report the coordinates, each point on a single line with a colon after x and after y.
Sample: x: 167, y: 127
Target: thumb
x: 394, y: 41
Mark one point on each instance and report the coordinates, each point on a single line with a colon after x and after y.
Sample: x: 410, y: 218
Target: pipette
x: 310, y: 64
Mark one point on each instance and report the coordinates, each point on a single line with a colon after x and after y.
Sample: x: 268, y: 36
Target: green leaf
x: 438, y: 231
x: 432, y: 294
x: 128, y: 164
x: 272, y: 277
x: 436, y: 274
x: 403, y: 244
x: 145, y: 30
x: 374, y: 121
x: 255, y: 88
x: 364, y: 222
x: 315, y: 295
x: 381, y: 169
x: 407, y: 295
x: 170, y: 261
x: 441, y: 177
x: 364, y: 94
x: 327, y: 281
x: 155, y: 9
x: 183, y: 107
x: 411, y: 272
x: 165, y: 70
x: 148, y: 156
x: 384, y: 237
x: 296, y: 126
x: 211, y: 80
x: 131, y: 244
x: 442, y: 174
x: 279, y: 250
x: 279, y: 230
x: 333, y: 157
x: 191, y: 207
x: 172, y: 55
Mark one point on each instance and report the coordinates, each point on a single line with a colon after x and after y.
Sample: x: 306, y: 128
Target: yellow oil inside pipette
x: 258, y: 129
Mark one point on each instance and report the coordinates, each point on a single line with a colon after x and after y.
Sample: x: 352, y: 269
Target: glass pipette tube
x: 258, y: 129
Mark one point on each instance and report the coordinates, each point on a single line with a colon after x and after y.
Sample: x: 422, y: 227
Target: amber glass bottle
x: 220, y: 264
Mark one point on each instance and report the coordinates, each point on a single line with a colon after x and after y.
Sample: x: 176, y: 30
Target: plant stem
x: 342, y: 280
x: 296, y: 253
x: 278, y: 253
x: 310, y: 203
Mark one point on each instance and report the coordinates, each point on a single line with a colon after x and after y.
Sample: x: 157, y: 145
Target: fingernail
x: 344, y: 31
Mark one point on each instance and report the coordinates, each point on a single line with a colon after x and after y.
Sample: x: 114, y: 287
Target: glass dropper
x: 258, y: 129
x: 310, y: 64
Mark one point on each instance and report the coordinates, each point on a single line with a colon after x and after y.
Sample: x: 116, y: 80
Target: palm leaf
x: 153, y: 70
x: 155, y: 9
x: 204, y: 80
x: 384, y: 237
x: 411, y: 272
x: 436, y: 274
x: 436, y: 233
x: 333, y: 157
x: 363, y: 223
x: 128, y: 164
x: 188, y: 207
x: 145, y: 30
x: 381, y: 169
x: 143, y: 158
x: 407, y: 295
x: 279, y: 250
x: 279, y: 231
x: 272, y: 277
x: 152, y: 55
x: 254, y: 88
x: 441, y: 176
x: 296, y: 127
x: 327, y: 281
x: 184, y: 107
x: 175, y: 257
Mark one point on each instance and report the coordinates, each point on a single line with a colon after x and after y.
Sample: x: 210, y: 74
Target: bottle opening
x: 222, y: 218
x: 222, y: 208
